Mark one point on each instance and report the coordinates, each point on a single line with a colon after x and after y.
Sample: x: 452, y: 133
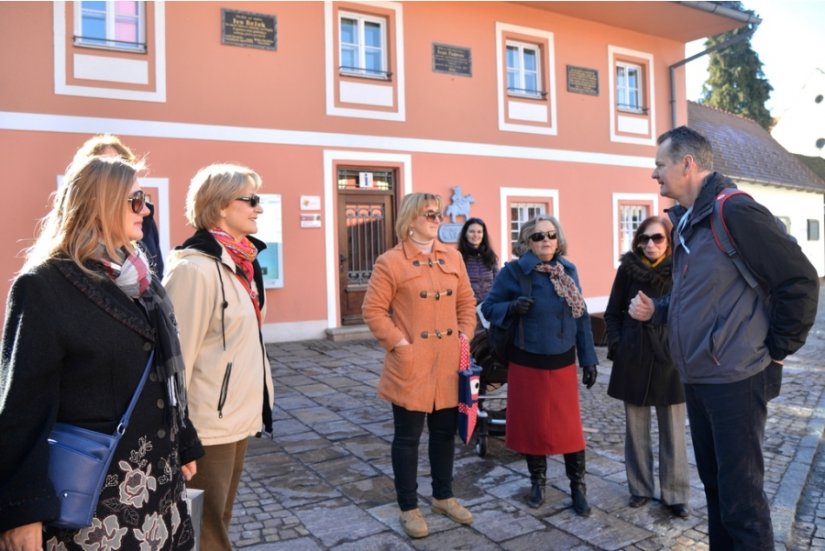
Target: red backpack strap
x: 722, y: 236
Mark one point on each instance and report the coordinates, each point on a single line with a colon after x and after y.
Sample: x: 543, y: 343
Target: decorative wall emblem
x: 460, y: 206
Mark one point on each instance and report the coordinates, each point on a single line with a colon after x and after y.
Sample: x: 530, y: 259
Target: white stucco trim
x: 639, y: 197
x: 61, y: 86
x: 330, y: 71
x: 43, y: 122
x: 330, y: 204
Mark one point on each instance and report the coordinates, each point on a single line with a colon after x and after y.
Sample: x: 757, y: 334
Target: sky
x: 790, y: 42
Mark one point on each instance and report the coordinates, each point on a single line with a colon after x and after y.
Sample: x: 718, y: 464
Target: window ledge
x: 120, y: 49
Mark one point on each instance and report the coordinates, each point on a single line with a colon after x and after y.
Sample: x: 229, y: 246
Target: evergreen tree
x: 736, y: 83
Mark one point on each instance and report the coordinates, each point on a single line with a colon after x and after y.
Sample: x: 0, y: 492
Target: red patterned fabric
x: 242, y: 252
x: 469, y: 379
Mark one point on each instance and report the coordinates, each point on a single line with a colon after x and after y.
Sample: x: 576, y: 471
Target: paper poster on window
x: 270, y: 231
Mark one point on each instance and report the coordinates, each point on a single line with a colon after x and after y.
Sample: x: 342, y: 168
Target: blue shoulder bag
x: 78, y: 462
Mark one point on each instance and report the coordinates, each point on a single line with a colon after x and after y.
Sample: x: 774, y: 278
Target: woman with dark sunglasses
x: 107, y: 145
x: 82, y: 319
x: 551, y: 330
x: 643, y: 375
x: 418, y: 302
x: 216, y: 285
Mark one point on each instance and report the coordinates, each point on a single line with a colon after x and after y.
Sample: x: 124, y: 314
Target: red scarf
x: 242, y: 252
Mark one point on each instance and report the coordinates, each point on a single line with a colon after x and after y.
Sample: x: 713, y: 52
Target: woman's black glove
x: 520, y: 306
x: 589, y: 374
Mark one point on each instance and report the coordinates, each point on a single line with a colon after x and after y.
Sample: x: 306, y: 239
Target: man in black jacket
x: 728, y: 339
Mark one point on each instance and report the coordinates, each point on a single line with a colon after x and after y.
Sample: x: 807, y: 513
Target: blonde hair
x: 412, y: 205
x: 87, y: 211
x: 96, y: 145
x: 213, y: 188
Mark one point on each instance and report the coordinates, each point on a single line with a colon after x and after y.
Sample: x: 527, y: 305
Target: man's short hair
x: 686, y: 141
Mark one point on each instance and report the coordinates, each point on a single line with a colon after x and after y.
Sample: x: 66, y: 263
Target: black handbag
x: 78, y: 462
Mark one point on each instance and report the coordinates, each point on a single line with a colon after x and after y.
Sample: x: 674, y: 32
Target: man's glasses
x: 432, y: 215
x: 657, y: 238
x: 539, y: 236
x: 253, y: 200
x: 137, y: 200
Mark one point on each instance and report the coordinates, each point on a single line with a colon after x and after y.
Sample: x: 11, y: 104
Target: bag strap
x: 526, y: 282
x: 124, y: 421
x: 724, y: 240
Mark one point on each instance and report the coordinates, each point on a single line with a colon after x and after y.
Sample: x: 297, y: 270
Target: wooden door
x: 366, y: 220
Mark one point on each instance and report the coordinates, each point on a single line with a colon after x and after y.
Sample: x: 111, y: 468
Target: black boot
x: 575, y: 468
x: 537, y: 466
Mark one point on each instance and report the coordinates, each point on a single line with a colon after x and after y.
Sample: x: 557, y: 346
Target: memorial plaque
x: 581, y: 80
x: 453, y: 60
x: 251, y: 30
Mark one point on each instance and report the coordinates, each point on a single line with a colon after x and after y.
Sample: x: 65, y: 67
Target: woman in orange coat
x: 418, y: 301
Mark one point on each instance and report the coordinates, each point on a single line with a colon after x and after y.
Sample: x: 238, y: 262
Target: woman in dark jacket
x: 543, y: 414
x: 479, y: 257
x: 83, y: 316
x: 643, y: 375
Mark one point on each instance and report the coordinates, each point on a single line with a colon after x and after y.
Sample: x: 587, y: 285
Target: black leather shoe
x: 680, y: 510
x: 637, y: 501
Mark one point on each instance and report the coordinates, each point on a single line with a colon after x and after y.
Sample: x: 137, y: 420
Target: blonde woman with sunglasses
x: 552, y: 331
x: 216, y: 285
x: 418, y: 301
x: 82, y: 319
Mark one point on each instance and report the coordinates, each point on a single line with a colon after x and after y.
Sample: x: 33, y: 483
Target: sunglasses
x: 432, y: 215
x: 137, y: 200
x: 656, y: 238
x: 253, y: 200
x: 539, y: 236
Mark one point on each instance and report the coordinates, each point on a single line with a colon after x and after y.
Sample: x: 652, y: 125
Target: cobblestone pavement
x: 325, y: 481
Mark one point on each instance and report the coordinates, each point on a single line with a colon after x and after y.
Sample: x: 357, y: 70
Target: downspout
x: 711, y: 7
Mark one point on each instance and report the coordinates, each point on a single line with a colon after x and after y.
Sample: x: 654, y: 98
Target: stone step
x: 349, y: 333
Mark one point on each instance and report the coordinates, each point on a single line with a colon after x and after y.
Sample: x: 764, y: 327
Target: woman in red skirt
x: 539, y: 296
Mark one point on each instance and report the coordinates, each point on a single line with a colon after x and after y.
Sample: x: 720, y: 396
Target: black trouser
x: 409, y: 425
x: 727, y: 425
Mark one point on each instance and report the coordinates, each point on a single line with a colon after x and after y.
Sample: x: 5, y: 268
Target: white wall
x: 798, y: 206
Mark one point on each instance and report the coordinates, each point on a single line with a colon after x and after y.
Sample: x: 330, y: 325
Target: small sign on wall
x: 310, y: 202
x: 581, y: 80
x: 454, y: 60
x: 251, y: 30
x: 310, y: 220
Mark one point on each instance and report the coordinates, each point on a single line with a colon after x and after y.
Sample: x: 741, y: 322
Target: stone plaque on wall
x: 452, y: 59
x: 581, y: 80
x: 251, y: 30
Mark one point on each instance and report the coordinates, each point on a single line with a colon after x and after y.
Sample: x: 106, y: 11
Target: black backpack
x: 499, y: 338
x: 723, y: 238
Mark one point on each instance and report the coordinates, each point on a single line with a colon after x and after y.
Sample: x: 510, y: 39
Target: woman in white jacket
x: 216, y: 286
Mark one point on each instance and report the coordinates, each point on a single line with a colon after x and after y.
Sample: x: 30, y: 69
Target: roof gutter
x: 711, y: 7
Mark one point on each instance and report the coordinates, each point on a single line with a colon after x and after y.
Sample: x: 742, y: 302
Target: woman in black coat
x: 643, y: 375
x: 82, y: 319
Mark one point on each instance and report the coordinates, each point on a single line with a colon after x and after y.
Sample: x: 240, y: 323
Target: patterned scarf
x: 565, y: 287
x: 132, y: 276
x: 242, y: 252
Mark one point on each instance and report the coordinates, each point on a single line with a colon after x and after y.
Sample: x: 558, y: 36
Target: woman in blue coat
x: 552, y: 329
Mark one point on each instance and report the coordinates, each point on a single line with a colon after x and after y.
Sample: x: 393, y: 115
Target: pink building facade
x: 345, y: 107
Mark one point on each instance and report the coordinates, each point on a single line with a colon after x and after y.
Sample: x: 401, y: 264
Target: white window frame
x: 524, y: 196
x: 629, y: 225
x: 111, y: 20
x: 647, y: 200
x: 623, y: 86
x: 361, y: 70
x: 521, y: 72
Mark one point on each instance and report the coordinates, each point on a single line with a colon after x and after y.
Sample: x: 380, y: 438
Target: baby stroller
x: 492, y: 397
